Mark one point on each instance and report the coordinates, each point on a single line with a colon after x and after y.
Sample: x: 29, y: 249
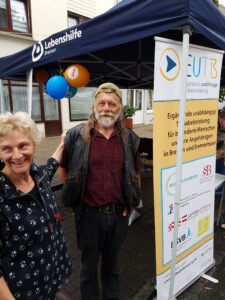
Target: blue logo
x: 170, y: 64
x: 170, y: 209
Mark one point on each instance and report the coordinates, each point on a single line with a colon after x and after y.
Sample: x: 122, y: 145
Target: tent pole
x: 179, y: 159
x: 29, y: 90
x: 2, y: 106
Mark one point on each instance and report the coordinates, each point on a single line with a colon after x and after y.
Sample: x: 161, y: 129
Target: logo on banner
x: 171, y: 182
x: 202, y: 66
x: 181, y: 220
x: 49, y: 46
x: 171, y: 209
x: 195, y: 213
x: 170, y: 64
x: 207, y: 170
x: 37, y: 52
x: 183, y: 238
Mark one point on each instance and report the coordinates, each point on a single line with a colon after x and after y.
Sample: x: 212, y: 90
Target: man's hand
x: 125, y: 214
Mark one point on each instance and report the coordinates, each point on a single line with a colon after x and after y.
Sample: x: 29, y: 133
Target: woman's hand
x: 58, y: 152
x: 63, y: 135
x: 5, y: 293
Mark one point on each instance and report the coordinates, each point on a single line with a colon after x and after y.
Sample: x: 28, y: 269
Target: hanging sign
x: 196, y: 219
x: 204, y: 69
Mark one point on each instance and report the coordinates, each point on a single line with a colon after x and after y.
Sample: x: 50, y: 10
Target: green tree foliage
x: 128, y: 111
x: 216, y: 2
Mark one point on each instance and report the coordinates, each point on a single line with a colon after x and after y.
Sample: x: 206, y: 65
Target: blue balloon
x: 57, y: 87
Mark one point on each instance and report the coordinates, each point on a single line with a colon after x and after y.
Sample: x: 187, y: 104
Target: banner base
x: 193, y: 281
x: 210, y: 278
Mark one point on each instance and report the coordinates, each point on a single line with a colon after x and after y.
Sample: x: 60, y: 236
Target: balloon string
x: 60, y: 71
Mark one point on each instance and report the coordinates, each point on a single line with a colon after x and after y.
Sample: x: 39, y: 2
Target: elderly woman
x: 34, y: 262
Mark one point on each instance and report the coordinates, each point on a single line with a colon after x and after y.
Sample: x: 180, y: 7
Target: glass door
x: 52, y: 116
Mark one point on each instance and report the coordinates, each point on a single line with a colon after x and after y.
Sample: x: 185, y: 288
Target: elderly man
x: 100, y: 168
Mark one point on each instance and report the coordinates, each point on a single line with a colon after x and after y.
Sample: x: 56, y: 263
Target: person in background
x: 101, y: 170
x: 34, y: 262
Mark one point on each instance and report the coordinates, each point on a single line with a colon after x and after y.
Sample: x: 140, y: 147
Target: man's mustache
x: 106, y: 114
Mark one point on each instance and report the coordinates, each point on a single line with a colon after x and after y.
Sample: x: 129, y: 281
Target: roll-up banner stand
x: 195, y: 223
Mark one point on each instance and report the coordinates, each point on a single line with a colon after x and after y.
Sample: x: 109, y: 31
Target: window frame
x: 70, y: 107
x: 80, y: 18
x: 9, y: 19
x: 9, y: 85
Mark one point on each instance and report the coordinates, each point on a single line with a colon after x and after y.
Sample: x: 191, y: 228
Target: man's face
x: 107, y: 109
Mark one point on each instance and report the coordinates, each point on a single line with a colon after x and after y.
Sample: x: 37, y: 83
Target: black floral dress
x: 33, y: 255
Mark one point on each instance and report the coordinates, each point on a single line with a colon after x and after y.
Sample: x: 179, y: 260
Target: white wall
x: 41, y: 128
x: 11, y: 43
x: 103, y: 5
x: 65, y: 115
x: 48, y: 17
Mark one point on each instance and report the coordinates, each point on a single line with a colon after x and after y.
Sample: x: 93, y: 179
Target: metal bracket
x: 214, y: 280
x: 187, y: 29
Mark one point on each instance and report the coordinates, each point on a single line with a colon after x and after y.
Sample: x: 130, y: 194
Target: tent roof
x: 118, y: 45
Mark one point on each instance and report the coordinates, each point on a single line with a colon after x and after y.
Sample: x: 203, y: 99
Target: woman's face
x: 17, y: 152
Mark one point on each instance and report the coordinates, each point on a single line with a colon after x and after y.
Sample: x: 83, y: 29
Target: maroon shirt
x: 105, y: 169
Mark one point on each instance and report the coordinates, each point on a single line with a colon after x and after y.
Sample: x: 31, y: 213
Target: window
x: 138, y: 102
x: 3, y: 14
x: 4, y: 105
x: 72, y: 21
x: 130, y: 97
x: 15, y: 98
x: 51, y: 108
x: 81, y: 104
x: 75, y: 19
x: 14, y: 16
x: 149, y: 95
x: 134, y: 98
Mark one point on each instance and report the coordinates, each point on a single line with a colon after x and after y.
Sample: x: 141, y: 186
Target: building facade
x: 24, y: 23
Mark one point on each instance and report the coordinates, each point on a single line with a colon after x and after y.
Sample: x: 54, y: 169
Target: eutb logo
x: 207, y: 170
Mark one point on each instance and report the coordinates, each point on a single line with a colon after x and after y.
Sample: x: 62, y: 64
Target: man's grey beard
x: 108, y: 121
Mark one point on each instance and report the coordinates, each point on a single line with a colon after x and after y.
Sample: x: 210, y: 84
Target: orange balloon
x: 77, y: 75
x: 41, y: 76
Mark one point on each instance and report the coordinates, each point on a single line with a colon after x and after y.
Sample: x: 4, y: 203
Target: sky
x: 222, y: 2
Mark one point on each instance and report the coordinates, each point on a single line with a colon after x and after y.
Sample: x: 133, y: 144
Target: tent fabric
x: 118, y: 45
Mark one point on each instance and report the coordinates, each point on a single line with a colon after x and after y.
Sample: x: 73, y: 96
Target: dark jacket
x: 33, y: 254
x: 77, y: 169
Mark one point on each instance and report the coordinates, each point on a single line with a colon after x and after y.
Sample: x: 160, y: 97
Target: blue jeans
x: 100, y: 234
